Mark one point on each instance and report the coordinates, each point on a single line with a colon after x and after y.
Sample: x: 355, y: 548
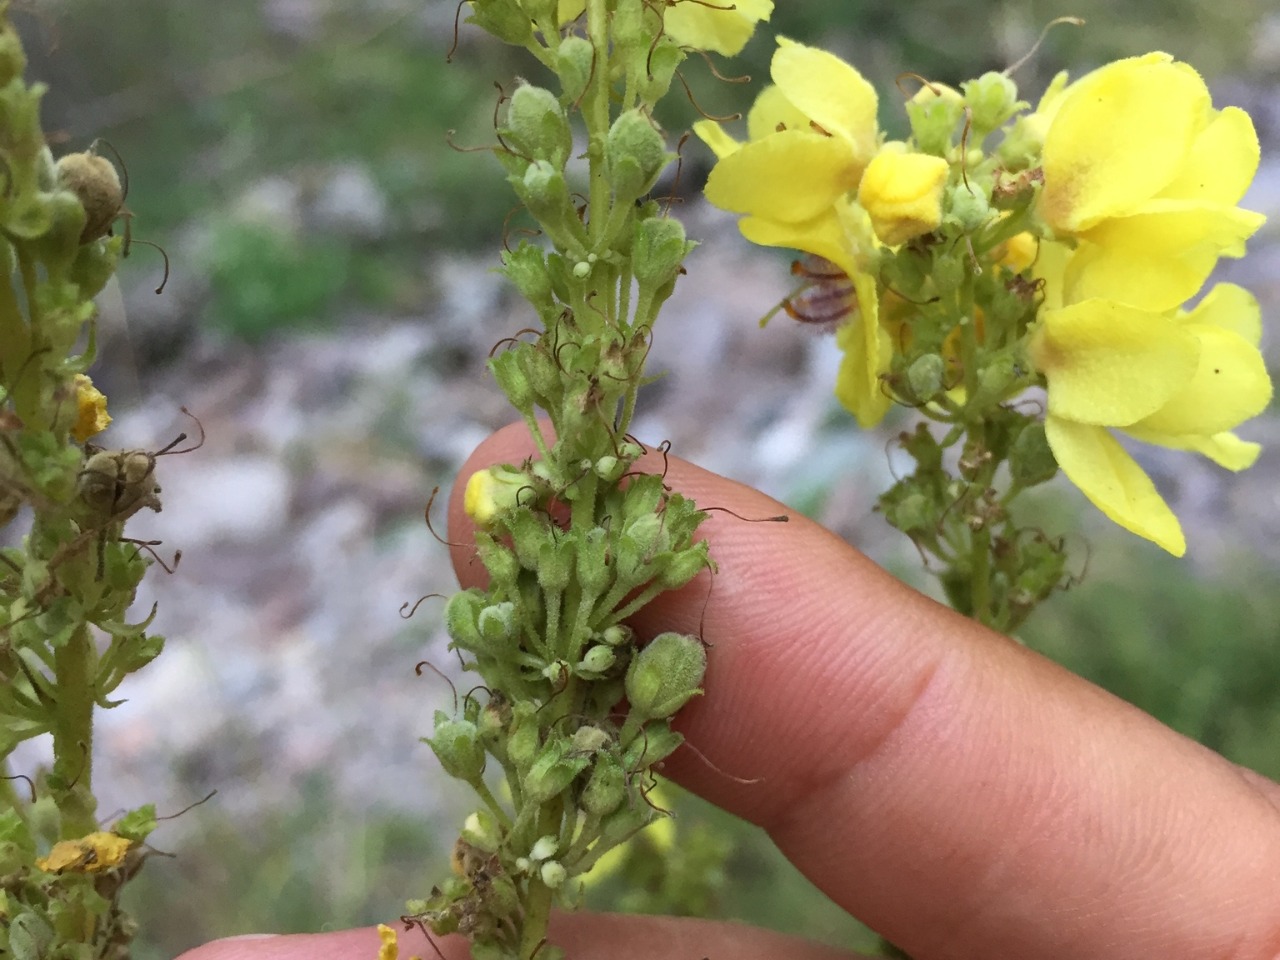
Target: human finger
x: 956, y: 791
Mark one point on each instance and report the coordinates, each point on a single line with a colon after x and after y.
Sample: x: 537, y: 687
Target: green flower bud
x: 538, y: 127
x: 482, y: 831
x: 456, y: 744
x: 498, y: 560
x: 498, y: 624
x: 94, y: 265
x: 1031, y: 461
x: 589, y: 738
x: 509, y: 372
x: 996, y: 381
x: 656, y: 742
x: 595, y: 576
x: 949, y: 271
x: 460, y: 615
x: 967, y: 207
x: 544, y: 848
x: 609, y: 468
x: 658, y: 250
x: 575, y: 58
x: 552, y: 771
x: 606, y: 787
x: 647, y: 534
x: 618, y: 635
x: 935, y: 112
x: 504, y: 19
x: 924, y: 376
x: 681, y: 567
x: 634, y: 155
x: 543, y: 190
x: 992, y: 99
x: 555, y: 564
x: 553, y: 874
x: 526, y: 268
x: 525, y: 739
x: 665, y: 674
x: 493, y: 723
x: 596, y: 661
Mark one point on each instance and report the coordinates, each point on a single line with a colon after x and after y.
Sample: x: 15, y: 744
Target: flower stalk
x: 65, y: 589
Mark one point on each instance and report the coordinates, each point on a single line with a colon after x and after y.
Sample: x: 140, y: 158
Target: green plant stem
x: 75, y: 664
x: 595, y: 113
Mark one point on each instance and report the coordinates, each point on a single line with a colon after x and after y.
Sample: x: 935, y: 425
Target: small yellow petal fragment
x: 91, y: 410
x: 903, y: 194
x: 90, y: 854
x: 390, y: 948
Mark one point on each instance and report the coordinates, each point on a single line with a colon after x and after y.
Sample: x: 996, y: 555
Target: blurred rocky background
x: 310, y: 167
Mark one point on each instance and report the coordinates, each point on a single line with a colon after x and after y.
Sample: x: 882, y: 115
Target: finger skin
x: 961, y: 794
x: 584, y: 936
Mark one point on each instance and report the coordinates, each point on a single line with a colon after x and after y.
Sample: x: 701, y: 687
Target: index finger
x: 961, y: 794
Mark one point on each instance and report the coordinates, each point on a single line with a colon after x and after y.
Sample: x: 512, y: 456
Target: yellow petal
x: 1222, y: 162
x: 720, y: 29
x: 830, y: 93
x: 1111, y: 364
x: 867, y: 349
x: 1096, y: 463
x: 1159, y: 258
x: 1230, y: 386
x: 714, y: 136
x: 1225, y: 449
x: 761, y: 178
x: 773, y: 112
x: 1229, y: 307
x: 1120, y: 135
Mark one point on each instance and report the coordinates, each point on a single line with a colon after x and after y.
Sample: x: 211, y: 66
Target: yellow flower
x: 721, y: 28
x: 1141, y: 169
x: 903, y: 193
x: 91, y: 410
x: 1180, y: 379
x: 810, y: 138
x: 90, y: 854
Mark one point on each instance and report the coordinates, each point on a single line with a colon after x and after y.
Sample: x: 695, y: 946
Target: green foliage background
x: 203, y: 100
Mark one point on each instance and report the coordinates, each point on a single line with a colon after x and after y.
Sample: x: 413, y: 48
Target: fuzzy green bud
x: 680, y: 568
x: 555, y: 564
x: 1031, y: 461
x: 967, y: 207
x: 509, y: 372
x: 460, y: 615
x: 992, y: 99
x: 544, y: 848
x: 526, y: 268
x: 575, y: 59
x: 596, y: 661
x: 543, y: 190
x: 665, y: 674
x: 925, y: 376
x: 589, y: 738
x: 996, y: 381
x: 552, y: 771
x: 13, y: 61
x: 497, y: 624
x: 658, y: 250
x: 537, y: 125
x: 594, y: 573
x: 498, y: 560
x: 634, y: 154
x: 525, y: 739
x: 935, y: 112
x: 606, y: 788
x: 618, y: 635
x: 949, y: 272
x: 456, y: 743
x: 609, y: 468
x: 656, y: 742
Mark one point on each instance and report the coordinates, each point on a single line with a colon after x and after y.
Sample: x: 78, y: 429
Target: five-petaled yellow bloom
x: 811, y: 137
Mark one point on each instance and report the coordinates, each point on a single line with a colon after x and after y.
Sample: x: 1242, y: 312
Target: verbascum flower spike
x: 1146, y: 175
